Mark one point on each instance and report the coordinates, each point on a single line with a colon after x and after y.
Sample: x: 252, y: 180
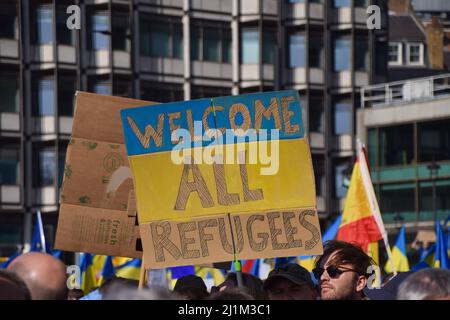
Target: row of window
x: 45, y: 169
x: 413, y: 56
x: 396, y: 145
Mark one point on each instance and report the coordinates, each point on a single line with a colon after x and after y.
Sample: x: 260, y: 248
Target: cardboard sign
x: 95, y: 214
x: 213, y: 163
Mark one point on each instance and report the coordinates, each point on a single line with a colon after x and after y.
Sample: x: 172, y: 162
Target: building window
x: 120, y: 31
x: 210, y: 42
x: 342, y: 118
x: 100, y: 31
x: 161, y: 92
x: 372, y: 146
x: 396, y: 145
x: 361, y: 3
x: 342, y: 3
x: 161, y: 39
x: 269, y: 46
x: 442, y: 188
x: 45, y: 97
x: 342, y: 173
x: 46, y: 164
x: 61, y: 164
x: 250, y: 46
x: 9, y: 92
x: 9, y: 164
x: 316, y: 114
x: 63, y: 34
x: 208, y: 92
x: 44, y: 24
x: 296, y: 51
x: 101, y: 87
x: 414, y: 53
x: 319, y: 174
x: 342, y: 54
x: 397, y: 198
x: 395, y: 54
x: 361, y: 54
x: 8, y: 16
x: 66, y: 96
x: 434, y: 141
x: 122, y: 88
x: 315, y: 51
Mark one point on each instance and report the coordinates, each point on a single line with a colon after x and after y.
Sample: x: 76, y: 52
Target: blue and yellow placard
x: 188, y: 162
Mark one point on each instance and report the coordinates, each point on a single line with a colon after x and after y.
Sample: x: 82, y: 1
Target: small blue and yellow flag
x: 399, y: 256
x: 108, y: 270
x: 88, y: 280
x: 440, y: 256
x: 130, y: 269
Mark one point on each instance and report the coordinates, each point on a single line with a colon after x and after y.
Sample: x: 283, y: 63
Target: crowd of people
x: 342, y: 273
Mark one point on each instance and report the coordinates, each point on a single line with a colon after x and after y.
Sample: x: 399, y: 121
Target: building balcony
x: 303, y: 11
x: 45, y: 53
x: 224, y: 6
x: 251, y: 72
x: 47, y: 124
x: 161, y: 65
x: 317, y: 140
x: 101, y: 59
x: 343, y: 142
x: 344, y: 79
x: 208, y: 69
x: 349, y: 16
x: 321, y: 207
x: 299, y: 76
x: 10, y: 195
x: 251, y: 9
x: 9, y: 121
x: 9, y: 48
x: 165, y: 3
x: 45, y: 196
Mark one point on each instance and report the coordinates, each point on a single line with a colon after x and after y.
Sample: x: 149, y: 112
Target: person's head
x: 252, y: 285
x: 342, y: 271
x: 12, y: 287
x: 231, y: 294
x: 114, y: 284
x: 290, y: 282
x: 425, y: 284
x: 191, y: 287
x: 75, y: 294
x: 44, y: 275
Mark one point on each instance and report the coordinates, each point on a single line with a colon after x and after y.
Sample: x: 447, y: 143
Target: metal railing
x: 405, y: 91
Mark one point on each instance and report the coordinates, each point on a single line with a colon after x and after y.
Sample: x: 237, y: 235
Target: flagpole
x: 41, y: 231
x: 373, y: 201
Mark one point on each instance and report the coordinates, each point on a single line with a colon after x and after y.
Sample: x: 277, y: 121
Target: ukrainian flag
x: 399, y: 256
x: 130, y: 269
x: 108, y: 270
x: 440, y: 255
x: 88, y: 280
x: 210, y: 273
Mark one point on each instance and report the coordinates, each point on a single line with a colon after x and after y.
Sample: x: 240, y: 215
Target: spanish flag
x: 361, y: 220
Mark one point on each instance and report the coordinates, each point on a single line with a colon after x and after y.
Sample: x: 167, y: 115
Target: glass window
x: 161, y: 92
x: 315, y: 51
x: 159, y: 40
x: 361, y: 3
x: 372, y: 147
x: 9, y: 164
x: 342, y: 118
x: 46, y: 97
x: 341, y: 54
x: 47, y: 164
x: 61, y: 164
x: 8, y: 16
x: 397, y: 198
x: 342, y: 3
x: 195, y: 43
x: 269, y: 46
x: 66, y: 96
x: 100, y: 30
x: 9, y: 92
x: 342, y: 174
x: 395, y: 54
x: 361, y: 54
x: 250, y: 46
x: 177, y: 41
x: 63, y: 34
x: 123, y: 88
x: 208, y: 92
x: 44, y: 22
x: 319, y: 174
x: 316, y: 114
x: 415, y: 53
x: 434, y: 141
x: 396, y: 145
x: 102, y: 87
x: 296, y: 1
x: 226, y: 46
x: 211, y: 44
x: 442, y: 188
x: 120, y: 31
x: 296, y: 51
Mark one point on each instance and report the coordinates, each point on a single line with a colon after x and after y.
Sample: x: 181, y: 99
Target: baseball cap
x: 292, y: 272
x: 389, y: 290
x: 190, y: 282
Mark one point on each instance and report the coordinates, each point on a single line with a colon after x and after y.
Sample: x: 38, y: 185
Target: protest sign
x: 210, y: 175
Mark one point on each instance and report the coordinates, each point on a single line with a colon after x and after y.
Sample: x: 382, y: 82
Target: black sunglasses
x: 333, y: 272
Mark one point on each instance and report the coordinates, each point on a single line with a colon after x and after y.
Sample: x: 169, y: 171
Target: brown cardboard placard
x: 97, y: 182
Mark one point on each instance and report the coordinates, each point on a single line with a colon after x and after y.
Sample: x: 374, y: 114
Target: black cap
x: 190, y: 282
x: 292, y: 272
x: 389, y: 290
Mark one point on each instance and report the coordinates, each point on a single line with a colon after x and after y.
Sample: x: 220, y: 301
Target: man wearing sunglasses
x: 342, y: 271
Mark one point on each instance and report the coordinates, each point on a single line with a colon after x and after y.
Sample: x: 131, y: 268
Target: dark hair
x: 191, y: 294
x: 253, y: 285
x: 231, y: 294
x: 114, y: 283
x: 346, y: 253
x: 22, y: 293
